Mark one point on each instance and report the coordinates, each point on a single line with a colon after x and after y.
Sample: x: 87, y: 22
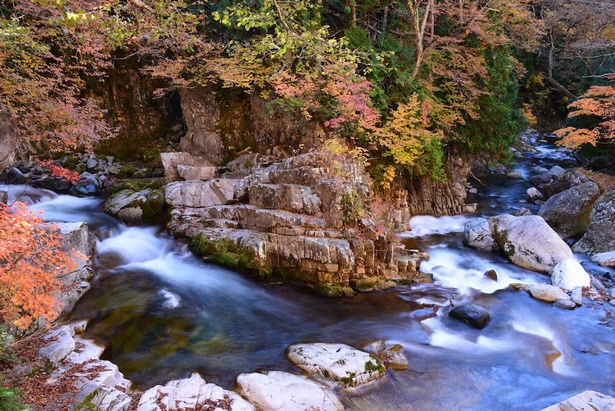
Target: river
x: 162, y: 314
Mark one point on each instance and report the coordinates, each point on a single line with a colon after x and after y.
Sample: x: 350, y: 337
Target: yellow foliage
x: 527, y: 112
x: 406, y: 136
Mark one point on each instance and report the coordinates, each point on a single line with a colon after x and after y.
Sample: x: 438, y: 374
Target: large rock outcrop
x: 432, y: 197
x: 220, y: 124
x: 301, y: 219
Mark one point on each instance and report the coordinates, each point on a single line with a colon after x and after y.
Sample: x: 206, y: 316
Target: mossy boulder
x: 136, y: 207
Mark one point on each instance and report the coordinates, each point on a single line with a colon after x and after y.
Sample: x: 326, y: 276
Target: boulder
x: 600, y: 236
x: 557, y: 171
x: 529, y: 242
x: 56, y: 184
x: 281, y: 391
x: 568, y: 274
x: 570, y: 178
x: 569, y: 211
x: 337, y: 363
x: 587, y: 400
x: 135, y: 207
x: 393, y: 355
x: 543, y: 292
x: 190, y: 393
x: 471, y: 314
x: 576, y: 295
x: 515, y: 174
x: 491, y: 274
x: 541, y: 178
x: 75, y: 238
x: 200, y: 194
x: 534, y: 194
x: 477, y: 234
x: 604, y: 259
x: 77, y: 362
x: 86, y: 186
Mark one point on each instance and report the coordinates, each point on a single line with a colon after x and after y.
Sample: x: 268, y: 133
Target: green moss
x: 365, y: 284
x: 335, y: 290
x: 128, y: 169
x: 349, y: 378
x: 227, y: 253
x: 375, y: 365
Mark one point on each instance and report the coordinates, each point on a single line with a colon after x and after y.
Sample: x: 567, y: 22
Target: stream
x: 163, y: 314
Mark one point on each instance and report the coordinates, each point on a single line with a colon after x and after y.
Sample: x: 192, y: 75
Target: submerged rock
x: 529, y: 242
x: 568, y: 274
x: 337, y: 363
x: 471, y: 314
x: 281, y: 391
x: 190, y: 393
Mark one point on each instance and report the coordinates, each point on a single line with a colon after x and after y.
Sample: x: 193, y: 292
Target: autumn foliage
x: 598, y: 105
x: 31, y: 258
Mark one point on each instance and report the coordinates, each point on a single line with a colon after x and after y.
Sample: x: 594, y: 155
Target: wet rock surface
x: 293, y: 219
x: 471, y: 314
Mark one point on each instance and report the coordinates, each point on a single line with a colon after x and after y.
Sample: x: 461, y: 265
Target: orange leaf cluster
x: 597, y: 103
x: 57, y: 171
x: 31, y: 258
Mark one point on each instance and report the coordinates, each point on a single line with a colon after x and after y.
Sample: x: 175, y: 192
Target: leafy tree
x: 406, y: 138
x: 51, y: 51
x: 31, y: 258
x: 597, y: 108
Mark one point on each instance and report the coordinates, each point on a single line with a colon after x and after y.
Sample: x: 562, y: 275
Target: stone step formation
x: 288, y: 218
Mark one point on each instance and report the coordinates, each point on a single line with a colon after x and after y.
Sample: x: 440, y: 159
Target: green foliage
x: 409, y: 142
x: 499, y: 120
x: 353, y: 208
x: 10, y: 399
x: 7, y: 356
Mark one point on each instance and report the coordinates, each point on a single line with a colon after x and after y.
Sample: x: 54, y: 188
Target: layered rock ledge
x: 307, y: 219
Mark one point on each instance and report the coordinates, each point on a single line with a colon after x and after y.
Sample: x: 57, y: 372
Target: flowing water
x: 162, y: 314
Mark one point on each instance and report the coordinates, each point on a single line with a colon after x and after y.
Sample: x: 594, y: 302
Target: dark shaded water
x: 163, y: 314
